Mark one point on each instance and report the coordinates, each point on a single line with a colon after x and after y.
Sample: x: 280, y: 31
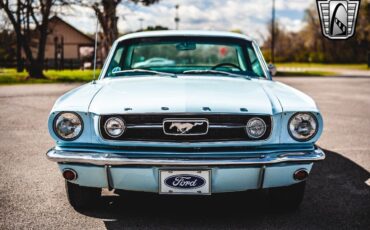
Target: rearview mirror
x: 272, y: 69
x: 186, y: 46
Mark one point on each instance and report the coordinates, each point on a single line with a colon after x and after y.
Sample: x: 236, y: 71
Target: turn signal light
x: 300, y: 174
x: 69, y: 174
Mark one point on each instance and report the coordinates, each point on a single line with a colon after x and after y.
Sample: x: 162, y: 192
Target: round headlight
x: 114, y: 127
x: 68, y: 126
x: 302, y: 126
x: 256, y: 127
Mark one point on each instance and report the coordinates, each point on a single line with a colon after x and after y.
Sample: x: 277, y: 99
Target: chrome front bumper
x: 112, y: 159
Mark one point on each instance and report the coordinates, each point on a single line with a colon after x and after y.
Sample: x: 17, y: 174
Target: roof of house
x: 58, y: 19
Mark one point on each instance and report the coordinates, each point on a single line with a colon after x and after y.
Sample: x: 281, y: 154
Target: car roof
x: 195, y: 33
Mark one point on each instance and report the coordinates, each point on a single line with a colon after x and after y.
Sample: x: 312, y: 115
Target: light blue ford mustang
x: 185, y: 112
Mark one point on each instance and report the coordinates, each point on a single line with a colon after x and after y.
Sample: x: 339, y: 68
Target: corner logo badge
x: 338, y: 17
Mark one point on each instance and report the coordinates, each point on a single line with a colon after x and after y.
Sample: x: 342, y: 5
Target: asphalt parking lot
x: 337, y: 197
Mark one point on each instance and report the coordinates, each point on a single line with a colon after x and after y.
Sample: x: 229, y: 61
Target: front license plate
x: 197, y: 182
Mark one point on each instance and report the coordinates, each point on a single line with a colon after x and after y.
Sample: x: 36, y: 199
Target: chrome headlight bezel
x: 56, y: 132
x: 122, y: 123
x: 248, y: 131
x: 314, y: 118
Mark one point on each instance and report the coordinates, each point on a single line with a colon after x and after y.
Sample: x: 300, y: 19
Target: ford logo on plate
x: 185, y: 181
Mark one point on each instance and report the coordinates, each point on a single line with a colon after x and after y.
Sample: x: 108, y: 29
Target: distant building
x: 66, y: 46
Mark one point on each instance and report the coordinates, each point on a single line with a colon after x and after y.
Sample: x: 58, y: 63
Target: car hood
x: 184, y: 94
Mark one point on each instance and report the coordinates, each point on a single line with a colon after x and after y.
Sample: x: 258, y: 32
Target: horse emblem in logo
x: 338, y: 17
x: 185, y: 127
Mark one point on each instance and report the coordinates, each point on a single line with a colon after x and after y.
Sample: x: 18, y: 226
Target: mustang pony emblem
x: 179, y: 127
x: 184, y: 127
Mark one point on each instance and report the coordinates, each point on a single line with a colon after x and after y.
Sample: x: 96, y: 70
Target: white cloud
x: 291, y: 25
x: 250, y: 16
x: 293, y: 5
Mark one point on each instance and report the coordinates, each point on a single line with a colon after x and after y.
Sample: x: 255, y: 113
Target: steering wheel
x: 226, y: 64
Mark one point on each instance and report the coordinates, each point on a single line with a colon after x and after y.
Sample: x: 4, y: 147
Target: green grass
x: 305, y: 73
x: 10, y: 76
x: 324, y: 66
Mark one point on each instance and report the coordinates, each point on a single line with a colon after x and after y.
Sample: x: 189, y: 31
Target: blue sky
x: 250, y: 16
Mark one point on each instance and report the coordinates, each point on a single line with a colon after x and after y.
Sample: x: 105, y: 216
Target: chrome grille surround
x: 221, y: 127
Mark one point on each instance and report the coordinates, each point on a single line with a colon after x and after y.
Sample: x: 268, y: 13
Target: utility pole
x: 273, y: 33
x: 177, y: 18
x: 141, y: 24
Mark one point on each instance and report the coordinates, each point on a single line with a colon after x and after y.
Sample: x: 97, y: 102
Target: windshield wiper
x: 217, y: 72
x: 145, y: 71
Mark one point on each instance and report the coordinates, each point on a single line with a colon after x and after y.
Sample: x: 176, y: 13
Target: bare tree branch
x: 19, y: 15
x: 32, y: 13
x: 106, y: 14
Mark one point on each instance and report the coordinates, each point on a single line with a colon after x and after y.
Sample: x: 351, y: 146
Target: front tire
x: 81, y: 197
x: 287, y: 198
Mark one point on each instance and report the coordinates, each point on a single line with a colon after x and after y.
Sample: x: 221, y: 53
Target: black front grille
x: 221, y: 127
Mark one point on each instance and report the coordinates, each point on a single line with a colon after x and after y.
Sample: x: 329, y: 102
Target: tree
x: 106, y: 12
x: 30, y: 19
x: 153, y: 28
x: 7, y: 38
x: 309, y: 44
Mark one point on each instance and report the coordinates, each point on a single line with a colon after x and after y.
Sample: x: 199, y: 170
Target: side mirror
x: 272, y: 69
